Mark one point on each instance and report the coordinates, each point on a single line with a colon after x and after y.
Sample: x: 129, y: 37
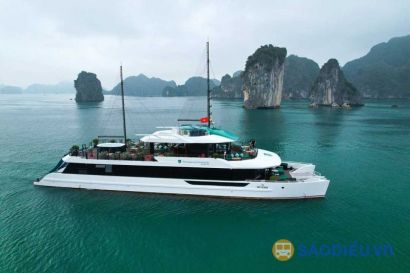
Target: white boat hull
x: 309, y: 187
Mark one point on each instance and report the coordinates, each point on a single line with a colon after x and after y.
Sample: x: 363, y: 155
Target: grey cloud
x: 50, y: 41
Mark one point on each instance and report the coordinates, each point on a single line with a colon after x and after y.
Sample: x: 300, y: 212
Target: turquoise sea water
x: 365, y: 152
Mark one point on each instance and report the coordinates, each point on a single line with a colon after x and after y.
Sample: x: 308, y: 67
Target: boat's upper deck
x: 262, y: 160
x: 184, y: 141
x: 147, y: 151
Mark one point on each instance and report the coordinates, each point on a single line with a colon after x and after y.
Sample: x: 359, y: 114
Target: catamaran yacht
x: 189, y: 159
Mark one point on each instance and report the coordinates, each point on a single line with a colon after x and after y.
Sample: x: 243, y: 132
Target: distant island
x: 384, y: 72
x: 59, y: 88
x: 10, y: 89
x: 230, y: 87
x: 194, y: 86
x: 142, y: 86
x: 300, y: 74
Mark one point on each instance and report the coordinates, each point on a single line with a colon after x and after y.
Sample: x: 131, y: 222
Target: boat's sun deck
x: 148, y: 151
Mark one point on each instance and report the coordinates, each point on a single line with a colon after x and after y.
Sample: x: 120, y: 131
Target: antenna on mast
x: 208, y: 86
x: 123, y: 108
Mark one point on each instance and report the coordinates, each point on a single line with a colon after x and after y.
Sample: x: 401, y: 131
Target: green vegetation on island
x: 384, y: 72
x: 194, y: 86
x: 230, y: 87
x: 142, y: 86
x: 300, y: 74
x: 265, y: 56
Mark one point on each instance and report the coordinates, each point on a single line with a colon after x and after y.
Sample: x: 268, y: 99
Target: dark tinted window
x: 166, y: 172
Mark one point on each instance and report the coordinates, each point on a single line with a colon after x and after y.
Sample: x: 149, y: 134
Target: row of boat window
x: 165, y: 172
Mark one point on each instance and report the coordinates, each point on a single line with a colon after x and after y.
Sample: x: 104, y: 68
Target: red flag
x: 204, y: 120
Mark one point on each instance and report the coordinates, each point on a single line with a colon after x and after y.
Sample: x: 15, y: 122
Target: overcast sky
x: 50, y: 41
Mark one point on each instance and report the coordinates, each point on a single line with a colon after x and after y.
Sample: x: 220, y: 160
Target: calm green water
x: 365, y: 152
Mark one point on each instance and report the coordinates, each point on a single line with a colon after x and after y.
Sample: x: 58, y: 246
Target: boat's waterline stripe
x: 84, y: 183
x: 214, y: 183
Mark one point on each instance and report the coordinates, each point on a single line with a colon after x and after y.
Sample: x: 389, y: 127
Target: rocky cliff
x: 230, y: 87
x: 88, y: 88
x: 263, y: 77
x: 300, y: 74
x: 332, y: 88
x: 384, y: 72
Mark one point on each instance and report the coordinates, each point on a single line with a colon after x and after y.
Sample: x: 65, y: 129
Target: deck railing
x: 144, y: 155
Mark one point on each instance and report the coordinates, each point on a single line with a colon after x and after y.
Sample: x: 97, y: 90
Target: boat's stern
x: 307, y: 179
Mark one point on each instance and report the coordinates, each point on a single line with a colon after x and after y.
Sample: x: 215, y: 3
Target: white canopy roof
x: 172, y: 136
x: 110, y: 145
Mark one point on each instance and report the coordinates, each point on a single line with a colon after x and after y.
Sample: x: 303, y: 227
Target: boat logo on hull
x: 262, y: 186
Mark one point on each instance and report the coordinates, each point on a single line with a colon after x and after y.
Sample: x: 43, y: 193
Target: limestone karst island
x: 332, y: 89
x: 263, y: 77
x: 88, y: 88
